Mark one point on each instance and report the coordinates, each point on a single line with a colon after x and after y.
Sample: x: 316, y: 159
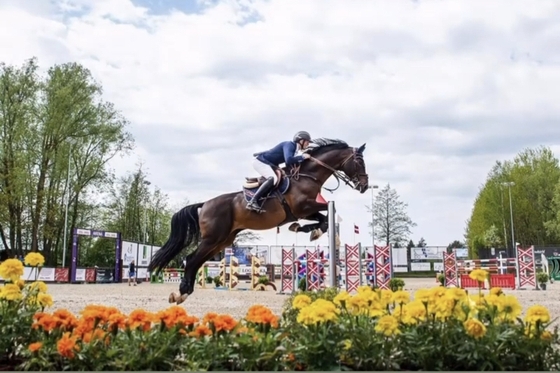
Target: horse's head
x: 347, y: 163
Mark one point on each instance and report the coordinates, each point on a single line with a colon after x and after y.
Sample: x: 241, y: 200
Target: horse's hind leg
x: 206, y: 250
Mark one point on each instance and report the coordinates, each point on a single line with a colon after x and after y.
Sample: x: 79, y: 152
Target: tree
x: 535, y: 173
x: 455, y: 245
x: 245, y: 237
x: 57, y: 135
x: 392, y: 223
x: 421, y: 243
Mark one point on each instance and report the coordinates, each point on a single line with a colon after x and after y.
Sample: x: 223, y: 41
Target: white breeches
x: 264, y: 170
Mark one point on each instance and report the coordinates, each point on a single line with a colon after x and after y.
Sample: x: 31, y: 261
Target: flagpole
x: 277, y: 231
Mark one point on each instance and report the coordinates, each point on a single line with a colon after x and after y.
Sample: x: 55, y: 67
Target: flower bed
x: 437, y: 329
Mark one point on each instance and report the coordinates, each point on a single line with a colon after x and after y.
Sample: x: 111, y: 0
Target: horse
x: 295, y: 196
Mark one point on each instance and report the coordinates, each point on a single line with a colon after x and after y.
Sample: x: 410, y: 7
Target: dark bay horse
x: 297, y: 196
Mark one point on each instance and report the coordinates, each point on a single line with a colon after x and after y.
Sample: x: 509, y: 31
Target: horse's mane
x: 322, y: 145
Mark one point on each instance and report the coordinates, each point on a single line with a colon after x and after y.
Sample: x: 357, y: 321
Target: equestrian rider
x: 285, y: 152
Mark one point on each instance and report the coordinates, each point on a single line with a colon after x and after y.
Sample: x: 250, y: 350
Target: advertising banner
x: 105, y: 275
x: 129, y: 253
x: 144, y: 254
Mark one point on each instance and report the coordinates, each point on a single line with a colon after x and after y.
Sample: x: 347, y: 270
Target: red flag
x: 356, y: 229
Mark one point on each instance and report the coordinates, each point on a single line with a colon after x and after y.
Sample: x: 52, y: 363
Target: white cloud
x: 438, y: 90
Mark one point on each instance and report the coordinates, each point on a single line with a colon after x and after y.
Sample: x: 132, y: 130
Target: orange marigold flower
x: 140, y: 319
x: 225, y: 323
x: 171, y: 316
x: 34, y: 347
x: 117, y: 321
x: 210, y: 317
x: 65, y: 319
x: 82, y: 329
x: 259, y: 314
x: 200, y: 331
x: 66, y: 346
x: 44, y: 321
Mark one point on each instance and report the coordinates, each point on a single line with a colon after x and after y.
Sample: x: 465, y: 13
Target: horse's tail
x: 184, y: 231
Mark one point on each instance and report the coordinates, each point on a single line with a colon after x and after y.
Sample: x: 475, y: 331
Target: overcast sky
x: 439, y: 90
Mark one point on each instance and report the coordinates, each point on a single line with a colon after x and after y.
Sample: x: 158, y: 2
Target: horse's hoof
x: 315, y: 234
x: 294, y: 227
x: 182, y: 298
x: 172, y: 298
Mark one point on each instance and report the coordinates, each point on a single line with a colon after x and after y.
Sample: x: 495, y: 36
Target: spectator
x: 132, y: 272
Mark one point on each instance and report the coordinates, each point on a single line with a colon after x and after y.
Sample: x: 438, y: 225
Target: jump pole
x: 331, y: 212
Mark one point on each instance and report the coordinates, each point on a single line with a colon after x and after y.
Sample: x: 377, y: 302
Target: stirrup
x: 254, y: 207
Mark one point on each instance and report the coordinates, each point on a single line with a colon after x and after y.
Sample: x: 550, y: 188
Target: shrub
x: 437, y: 329
x: 396, y: 284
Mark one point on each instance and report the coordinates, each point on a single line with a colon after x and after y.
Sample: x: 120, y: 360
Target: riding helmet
x: 302, y: 135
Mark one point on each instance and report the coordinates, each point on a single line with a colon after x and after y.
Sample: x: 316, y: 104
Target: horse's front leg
x: 316, y: 229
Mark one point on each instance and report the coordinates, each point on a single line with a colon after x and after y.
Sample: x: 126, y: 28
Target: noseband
x: 339, y: 175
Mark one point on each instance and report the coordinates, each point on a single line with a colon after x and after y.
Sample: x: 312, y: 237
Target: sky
x: 438, y: 90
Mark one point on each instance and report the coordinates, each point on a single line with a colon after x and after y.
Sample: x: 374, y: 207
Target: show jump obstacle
x: 524, y: 267
x: 311, y: 265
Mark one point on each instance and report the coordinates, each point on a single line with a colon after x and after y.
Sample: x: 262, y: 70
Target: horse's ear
x: 361, y: 148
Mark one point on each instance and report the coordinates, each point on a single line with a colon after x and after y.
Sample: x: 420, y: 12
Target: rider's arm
x: 289, y: 154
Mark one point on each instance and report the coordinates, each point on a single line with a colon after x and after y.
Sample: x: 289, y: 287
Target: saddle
x: 255, y: 182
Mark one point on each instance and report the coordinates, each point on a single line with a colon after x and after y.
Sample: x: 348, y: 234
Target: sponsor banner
x: 243, y: 271
x: 129, y: 252
x: 144, y: 254
x: 105, y: 275
x: 462, y: 253
x: 438, y: 266
x: 80, y: 274
x: 399, y: 256
x: 46, y: 274
x: 400, y: 269
x: 420, y: 267
x: 428, y: 253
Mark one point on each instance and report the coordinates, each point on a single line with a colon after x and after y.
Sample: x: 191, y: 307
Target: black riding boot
x: 264, y: 188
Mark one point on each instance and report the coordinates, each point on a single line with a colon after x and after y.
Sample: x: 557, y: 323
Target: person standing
x: 132, y: 272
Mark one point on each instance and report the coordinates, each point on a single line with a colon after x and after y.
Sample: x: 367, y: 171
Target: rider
x: 285, y: 152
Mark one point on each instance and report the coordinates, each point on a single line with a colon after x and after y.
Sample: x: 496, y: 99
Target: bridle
x: 353, y: 182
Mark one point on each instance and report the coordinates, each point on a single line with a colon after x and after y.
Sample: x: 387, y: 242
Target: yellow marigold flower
x: 11, y: 292
x: 38, y: 286
x: 494, y: 300
x: 546, y: 336
x: 537, y: 313
x: 44, y: 300
x: 301, y: 301
x: 423, y: 295
x: 509, y: 307
x: 342, y: 298
x: 475, y: 328
x: 414, y: 312
x: 386, y: 296
x: 364, y: 289
x: 11, y: 269
x: 34, y: 260
x: 401, y: 297
x: 359, y: 301
x: 444, y: 308
x: 323, y: 315
x: 20, y: 283
x: 306, y: 316
x: 455, y: 294
x: 437, y: 292
x: 346, y: 344
x: 387, y: 325
x: 496, y: 291
x: 479, y: 275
